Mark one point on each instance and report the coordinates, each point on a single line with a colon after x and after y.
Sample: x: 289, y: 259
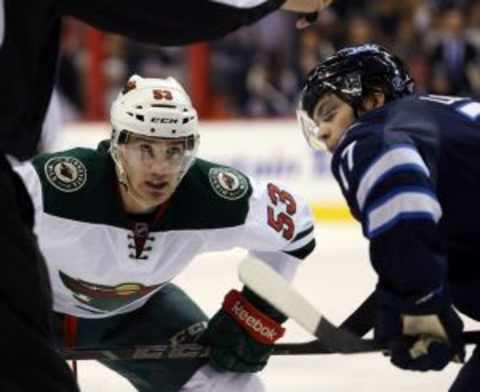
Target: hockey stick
x: 179, y: 351
x: 272, y: 287
x: 359, y: 323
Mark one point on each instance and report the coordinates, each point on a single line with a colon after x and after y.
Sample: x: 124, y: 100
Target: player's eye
x: 329, y: 116
x: 174, y: 152
x: 147, y: 149
x: 326, y: 112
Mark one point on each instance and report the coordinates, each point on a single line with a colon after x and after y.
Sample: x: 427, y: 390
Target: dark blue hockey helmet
x: 352, y: 73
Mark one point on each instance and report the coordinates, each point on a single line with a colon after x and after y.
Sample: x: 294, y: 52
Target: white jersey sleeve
x: 279, y: 227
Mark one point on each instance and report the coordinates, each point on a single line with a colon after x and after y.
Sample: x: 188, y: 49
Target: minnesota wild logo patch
x: 105, y: 298
x: 67, y: 174
x: 228, y: 183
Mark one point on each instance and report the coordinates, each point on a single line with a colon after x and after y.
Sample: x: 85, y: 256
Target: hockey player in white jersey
x: 30, y: 35
x: 117, y: 224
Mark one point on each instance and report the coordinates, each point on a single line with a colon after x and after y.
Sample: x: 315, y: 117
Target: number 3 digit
x: 282, y: 222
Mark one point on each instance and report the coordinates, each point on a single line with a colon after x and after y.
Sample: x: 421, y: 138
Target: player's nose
x: 163, y: 168
x: 324, y: 132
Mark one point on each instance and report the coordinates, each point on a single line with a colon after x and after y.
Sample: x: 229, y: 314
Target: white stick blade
x: 272, y: 287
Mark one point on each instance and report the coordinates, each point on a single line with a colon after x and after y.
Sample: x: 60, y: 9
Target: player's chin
x: 331, y: 146
x: 334, y: 143
x: 157, y: 197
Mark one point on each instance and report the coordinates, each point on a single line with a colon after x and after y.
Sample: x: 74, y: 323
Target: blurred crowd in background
x: 257, y: 71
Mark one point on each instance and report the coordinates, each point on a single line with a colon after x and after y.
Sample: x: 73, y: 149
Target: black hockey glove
x: 423, y: 332
x: 242, y: 333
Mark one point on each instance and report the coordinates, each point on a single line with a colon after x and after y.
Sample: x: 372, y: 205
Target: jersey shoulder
x: 410, y: 122
x: 223, y: 184
x: 369, y: 154
x: 215, y: 196
x: 76, y: 184
x: 367, y: 140
x: 431, y: 114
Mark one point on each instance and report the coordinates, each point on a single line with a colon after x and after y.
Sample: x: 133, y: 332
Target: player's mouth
x: 328, y: 139
x: 156, y: 186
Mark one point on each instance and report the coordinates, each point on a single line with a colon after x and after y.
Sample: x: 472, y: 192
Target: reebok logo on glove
x: 258, y: 325
x: 252, y: 322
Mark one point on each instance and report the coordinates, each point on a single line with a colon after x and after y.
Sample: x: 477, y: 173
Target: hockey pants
x: 170, y: 315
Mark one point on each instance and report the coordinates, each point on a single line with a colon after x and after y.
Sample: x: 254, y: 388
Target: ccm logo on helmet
x: 258, y: 325
x: 158, y: 120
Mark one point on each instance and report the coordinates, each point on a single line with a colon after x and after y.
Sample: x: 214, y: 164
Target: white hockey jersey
x: 104, y: 262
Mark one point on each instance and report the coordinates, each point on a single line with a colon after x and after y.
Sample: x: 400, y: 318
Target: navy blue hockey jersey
x: 410, y: 172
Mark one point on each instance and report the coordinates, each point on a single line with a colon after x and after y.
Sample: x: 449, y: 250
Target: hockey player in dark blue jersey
x: 409, y: 168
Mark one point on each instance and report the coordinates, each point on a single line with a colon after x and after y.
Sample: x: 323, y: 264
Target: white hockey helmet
x: 158, y: 108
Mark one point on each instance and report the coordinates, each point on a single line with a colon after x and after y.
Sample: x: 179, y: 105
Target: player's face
x: 332, y: 116
x: 153, y: 167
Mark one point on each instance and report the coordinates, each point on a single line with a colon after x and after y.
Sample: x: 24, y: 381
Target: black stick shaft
x: 188, y: 351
